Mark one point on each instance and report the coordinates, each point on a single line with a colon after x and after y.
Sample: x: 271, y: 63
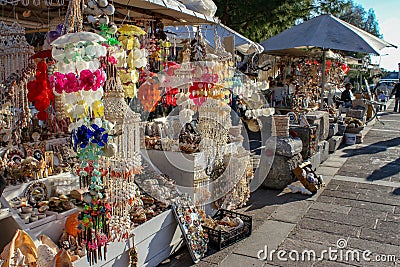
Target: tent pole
x: 323, y: 77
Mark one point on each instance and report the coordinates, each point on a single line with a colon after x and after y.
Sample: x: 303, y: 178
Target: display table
x: 155, y: 240
x: 177, y: 165
x: 53, y: 224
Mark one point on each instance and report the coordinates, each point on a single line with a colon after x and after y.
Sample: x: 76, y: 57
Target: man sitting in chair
x: 347, y: 96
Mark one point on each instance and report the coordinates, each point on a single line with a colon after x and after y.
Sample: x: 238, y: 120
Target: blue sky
x: 388, y: 16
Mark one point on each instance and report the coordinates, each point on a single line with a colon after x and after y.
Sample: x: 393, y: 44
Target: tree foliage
x: 261, y: 19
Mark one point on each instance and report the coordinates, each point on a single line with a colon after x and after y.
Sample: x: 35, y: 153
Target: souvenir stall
x: 77, y: 189
x: 197, y: 141
x: 321, y: 76
x: 301, y: 129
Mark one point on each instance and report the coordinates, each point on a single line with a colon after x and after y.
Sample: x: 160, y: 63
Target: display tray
x: 50, y: 216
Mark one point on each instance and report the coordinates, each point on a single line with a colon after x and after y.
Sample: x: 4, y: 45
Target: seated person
x: 347, y: 96
x: 382, y: 98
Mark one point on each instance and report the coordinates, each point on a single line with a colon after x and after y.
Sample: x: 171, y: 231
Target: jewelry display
x: 14, y: 50
x: 189, y: 220
x: 214, y: 124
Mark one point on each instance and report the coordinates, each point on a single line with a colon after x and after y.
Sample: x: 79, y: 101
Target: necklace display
x: 14, y: 101
x: 124, y: 159
x: 14, y: 49
x: 189, y: 220
x: 214, y: 124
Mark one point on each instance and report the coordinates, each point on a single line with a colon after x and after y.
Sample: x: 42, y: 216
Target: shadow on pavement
x: 396, y: 192
x: 383, y: 172
x: 374, y: 148
x: 267, y: 197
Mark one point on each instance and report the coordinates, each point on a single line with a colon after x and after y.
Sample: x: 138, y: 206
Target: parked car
x: 386, y: 86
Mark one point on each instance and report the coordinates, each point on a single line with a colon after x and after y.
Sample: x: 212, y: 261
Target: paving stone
x: 367, y: 213
x: 318, y: 237
x: 351, y: 173
x: 397, y: 210
x: 325, y: 170
x: 340, y: 194
x: 326, y: 199
x: 300, y: 259
x: 375, y: 187
x: 393, y: 218
x: 340, y: 218
x: 240, y: 260
x: 270, y: 234
x: 326, y: 263
x: 285, y: 212
x: 331, y: 207
x: 395, y: 179
x: 388, y: 226
x: 216, y: 257
x: 363, y: 204
x: 343, y: 183
x: 329, y: 227
x: 374, y: 247
x: 320, y: 256
x: 200, y: 264
x: 354, y: 190
x: 379, y: 197
x: 332, y: 186
x: 260, y: 214
x: 381, y: 236
x: 338, y: 157
x: 332, y: 163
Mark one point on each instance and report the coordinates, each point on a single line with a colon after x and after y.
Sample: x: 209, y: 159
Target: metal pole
x: 323, y: 77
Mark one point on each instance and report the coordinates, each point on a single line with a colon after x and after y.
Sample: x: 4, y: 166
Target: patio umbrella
x: 326, y: 32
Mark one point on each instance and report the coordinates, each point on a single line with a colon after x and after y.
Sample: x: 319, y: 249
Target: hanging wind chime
x: 79, y: 78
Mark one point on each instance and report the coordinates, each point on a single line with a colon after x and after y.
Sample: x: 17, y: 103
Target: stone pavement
x: 357, y: 215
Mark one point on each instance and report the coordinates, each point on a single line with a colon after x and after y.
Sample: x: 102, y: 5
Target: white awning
x: 172, y: 12
x: 242, y: 44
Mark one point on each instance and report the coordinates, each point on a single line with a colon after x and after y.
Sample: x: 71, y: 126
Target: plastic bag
x: 206, y: 7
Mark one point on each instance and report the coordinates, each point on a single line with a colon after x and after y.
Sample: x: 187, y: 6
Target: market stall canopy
x: 326, y: 32
x: 209, y: 32
x: 43, y: 14
x: 171, y: 11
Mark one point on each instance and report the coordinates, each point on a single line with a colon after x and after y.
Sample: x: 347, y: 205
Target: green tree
x: 350, y: 12
x: 371, y: 24
x: 260, y: 19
